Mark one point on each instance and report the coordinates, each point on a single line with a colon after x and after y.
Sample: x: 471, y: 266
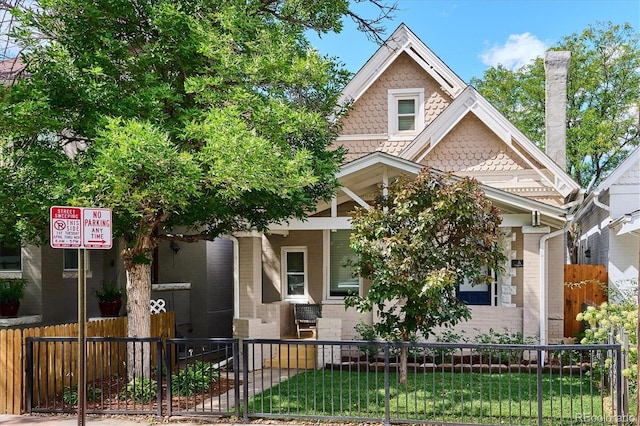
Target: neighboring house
x: 195, y: 280
x: 607, y: 225
x: 410, y: 111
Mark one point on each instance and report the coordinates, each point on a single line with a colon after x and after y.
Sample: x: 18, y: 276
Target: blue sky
x: 472, y: 35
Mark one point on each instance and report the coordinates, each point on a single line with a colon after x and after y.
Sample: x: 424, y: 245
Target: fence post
x: 387, y: 391
x: 245, y: 381
x: 168, y: 352
x: 539, y: 363
x: 159, y: 375
x: 29, y: 361
x: 619, y: 411
x: 236, y: 375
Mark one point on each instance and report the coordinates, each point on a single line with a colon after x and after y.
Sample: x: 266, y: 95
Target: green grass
x: 439, y: 396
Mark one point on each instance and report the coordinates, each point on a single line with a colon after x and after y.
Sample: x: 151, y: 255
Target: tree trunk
x: 403, y: 365
x: 138, y: 319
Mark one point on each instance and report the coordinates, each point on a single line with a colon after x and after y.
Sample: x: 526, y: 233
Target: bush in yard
x: 610, y: 323
x: 194, y: 378
x: 141, y: 390
x: 502, y: 338
x: 445, y: 354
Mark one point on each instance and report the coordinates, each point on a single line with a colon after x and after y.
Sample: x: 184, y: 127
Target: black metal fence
x: 135, y: 376
x: 440, y: 383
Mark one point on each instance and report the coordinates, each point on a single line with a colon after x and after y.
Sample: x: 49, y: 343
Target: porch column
x: 250, y: 275
x: 531, y: 280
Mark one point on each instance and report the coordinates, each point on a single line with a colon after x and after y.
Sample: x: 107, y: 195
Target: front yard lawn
x: 436, y: 396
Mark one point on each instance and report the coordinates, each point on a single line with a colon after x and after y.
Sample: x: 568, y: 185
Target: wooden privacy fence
x: 583, y: 285
x: 13, y: 355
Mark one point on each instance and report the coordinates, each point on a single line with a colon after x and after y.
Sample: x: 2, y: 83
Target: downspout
x: 543, y: 281
x: 236, y: 276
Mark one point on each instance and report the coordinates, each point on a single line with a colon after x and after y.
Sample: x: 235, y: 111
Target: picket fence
x: 13, y: 354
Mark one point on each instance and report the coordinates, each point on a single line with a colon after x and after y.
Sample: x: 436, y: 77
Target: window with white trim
x: 294, y: 273
x: 406, y: 112
x: 10, y: 257
x: 341, y: 279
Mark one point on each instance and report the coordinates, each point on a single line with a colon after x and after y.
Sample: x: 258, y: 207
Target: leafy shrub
x: 610, y: 323
x: 141, y: 390
x: 447, y: 336
x: 502, y: 338
x: 70, y: 394
x: 367, y: 333
x: 194, y: 378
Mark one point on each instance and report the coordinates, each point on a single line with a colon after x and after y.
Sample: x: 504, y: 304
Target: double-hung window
x: 294, y: 273
x: 406, y: 112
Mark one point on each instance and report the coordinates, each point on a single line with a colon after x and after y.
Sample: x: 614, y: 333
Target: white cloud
x: 519, y: 50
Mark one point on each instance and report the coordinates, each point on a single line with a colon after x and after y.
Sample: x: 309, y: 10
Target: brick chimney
x: 556, y: 66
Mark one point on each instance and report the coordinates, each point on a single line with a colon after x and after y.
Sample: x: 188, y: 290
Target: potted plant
x: 11, y: 292
x: 109, y: 299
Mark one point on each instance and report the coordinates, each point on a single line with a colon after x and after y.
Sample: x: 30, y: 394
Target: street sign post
x: 82, y: 228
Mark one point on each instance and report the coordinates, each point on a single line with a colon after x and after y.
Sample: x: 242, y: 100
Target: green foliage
x: 602, y: 93
x: 208, y: 117
x: 367, y: 333
x: 502, y: 338
x: 12, y: 289
x: 615, y: 323
x: 70, y: 394
x: 447, y: 336
x: 108, y: 292
x: 195, y: 378
x: 141, y: 390
x: 417, y: 245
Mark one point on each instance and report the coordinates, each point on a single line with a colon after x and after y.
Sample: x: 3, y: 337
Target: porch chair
x: 305, y: 316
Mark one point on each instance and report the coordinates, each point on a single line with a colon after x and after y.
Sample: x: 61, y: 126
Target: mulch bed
x: 113, y: 397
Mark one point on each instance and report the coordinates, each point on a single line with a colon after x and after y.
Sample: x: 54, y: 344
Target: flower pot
x: 9, y: 309
x: 110, y: 308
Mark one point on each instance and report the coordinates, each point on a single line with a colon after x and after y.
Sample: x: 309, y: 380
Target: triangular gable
x: 623, y: 168
x: 472, y: 101
x: 370, y: 171
x: 402, y: 41
x: 353, y: 171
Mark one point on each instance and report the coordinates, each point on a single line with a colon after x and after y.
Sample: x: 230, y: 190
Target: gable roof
x: 470, y: 100
x: 402, y: 41
x: 624, y: 167
x: 352, y: 173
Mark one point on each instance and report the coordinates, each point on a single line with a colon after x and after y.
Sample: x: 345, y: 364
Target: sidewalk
x: 105, y: 420
x: 123, y: 420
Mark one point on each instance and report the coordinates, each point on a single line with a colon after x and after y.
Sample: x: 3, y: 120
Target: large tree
x: 417, y: 244
x: 188, y: 118
x: 603, y: 94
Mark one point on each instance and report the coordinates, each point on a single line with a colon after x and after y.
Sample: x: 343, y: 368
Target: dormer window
x: 406, y: 112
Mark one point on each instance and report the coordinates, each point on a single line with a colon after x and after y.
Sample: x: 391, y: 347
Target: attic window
x: 406, y: 112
